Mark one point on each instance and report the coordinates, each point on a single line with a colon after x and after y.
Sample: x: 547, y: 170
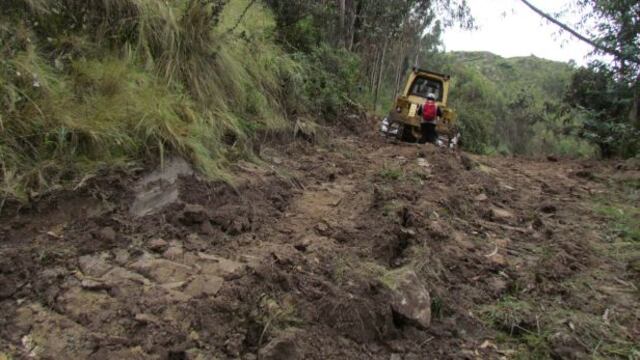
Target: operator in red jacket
x: 430, y: 112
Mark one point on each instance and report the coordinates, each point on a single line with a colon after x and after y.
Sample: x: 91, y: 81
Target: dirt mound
x: 361, y: 248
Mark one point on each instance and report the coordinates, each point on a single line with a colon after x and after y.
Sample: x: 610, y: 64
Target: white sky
x: 508, y: 28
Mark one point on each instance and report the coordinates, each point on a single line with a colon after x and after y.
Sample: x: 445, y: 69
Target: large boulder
x: 159, y: 189
x: 410, y: 300
x: 282, y: 347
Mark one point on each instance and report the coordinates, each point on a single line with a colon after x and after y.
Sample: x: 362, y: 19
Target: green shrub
x: 331, y: 80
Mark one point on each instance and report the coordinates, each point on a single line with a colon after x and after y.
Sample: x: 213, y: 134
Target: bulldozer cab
x: 422, y: 83
x: 404, y: 118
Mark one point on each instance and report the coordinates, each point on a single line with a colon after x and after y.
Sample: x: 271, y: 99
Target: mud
x: 305, y: 257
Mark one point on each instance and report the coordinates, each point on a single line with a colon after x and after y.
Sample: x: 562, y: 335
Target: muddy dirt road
x: 352, y: 249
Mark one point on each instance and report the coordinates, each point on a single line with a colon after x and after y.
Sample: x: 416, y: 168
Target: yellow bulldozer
x: 404, y: 121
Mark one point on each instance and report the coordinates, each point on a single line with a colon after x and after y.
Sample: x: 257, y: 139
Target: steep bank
x: 86, y: 85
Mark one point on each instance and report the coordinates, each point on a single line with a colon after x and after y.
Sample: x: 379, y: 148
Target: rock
x: 119, y: 276
x: 52, y: 273
x: 565, y: 346
x: 107, y: 234
x: 537, y: 224
x: 343, y: 235
x: 410, y: 299
x: 158, y: 245
x: 51, y: 335
x: 496, y: 213
x: 147, y: 319
x: 121, y: 256
x: 439, y: 230
x: 498, y: 260
x: 161, y: 270
x: 323, y: 229
x: 218, y: 266
x: 193, y: 214
x: 174, y: 285
x: 237, y: 226
x: 204, y: 285
x: 195, y: 242
x: 548, y: 208
x: 94, y: 265
x: 422, y: 162
x: 406, y: 234
x: 91, y: 284
x: 7, y: 288
x: 634, y: 265
x: 497, y: 285
x: 503, y: 243
x: 468, y: 162
x: 585, y: 174
x: 79, y: 303
x: 233, y: 345
x: 159, y: 189
x: 206, y: 228
x: 174, y: 253
x: 303, y: 244
x: 282, y: 347
x: 481, y: 197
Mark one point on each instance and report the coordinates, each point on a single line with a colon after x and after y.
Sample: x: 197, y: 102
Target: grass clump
x: 390, y: 173
x: 622, y: 229
x: 511, y: 315
x: 624, y: 220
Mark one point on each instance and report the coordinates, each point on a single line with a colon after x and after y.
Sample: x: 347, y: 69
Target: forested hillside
x: 513, y: 106
x: 548, y: 79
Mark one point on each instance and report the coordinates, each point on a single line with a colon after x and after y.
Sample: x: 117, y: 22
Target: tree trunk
x: 373, y: 67
x: 380, y: 75
x: 351, y: 33
x: 634, y: 114
x: 342, y: 8
x: 399, y: 71
x: 356, y: 24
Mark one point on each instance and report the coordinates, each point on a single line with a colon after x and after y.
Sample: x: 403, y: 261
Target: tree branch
x: 244, y: 12
x: 609, y: 50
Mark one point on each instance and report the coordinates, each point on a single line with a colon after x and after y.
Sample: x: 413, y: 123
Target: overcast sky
x: 508, y: 28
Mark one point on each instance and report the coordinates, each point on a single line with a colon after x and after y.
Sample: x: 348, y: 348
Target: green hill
x: 511, y: 105
x: 546, y: 77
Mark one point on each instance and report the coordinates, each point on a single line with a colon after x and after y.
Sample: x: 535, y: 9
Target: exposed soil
x: 307, y: 254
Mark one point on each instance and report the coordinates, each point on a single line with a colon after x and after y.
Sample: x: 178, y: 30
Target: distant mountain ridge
x: 546, y: 78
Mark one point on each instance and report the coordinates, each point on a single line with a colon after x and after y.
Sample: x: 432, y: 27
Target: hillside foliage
x: 513, y: 106
x: 85, y: 84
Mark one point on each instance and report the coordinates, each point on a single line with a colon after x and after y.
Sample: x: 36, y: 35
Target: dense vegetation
x: 513, y: 106
x: 600, y: 106
x: 88, y: 83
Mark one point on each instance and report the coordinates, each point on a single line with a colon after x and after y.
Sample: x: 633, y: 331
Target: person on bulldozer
x: 430, y: 113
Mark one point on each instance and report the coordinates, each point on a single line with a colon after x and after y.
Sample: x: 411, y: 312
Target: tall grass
x: 84, y: 83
